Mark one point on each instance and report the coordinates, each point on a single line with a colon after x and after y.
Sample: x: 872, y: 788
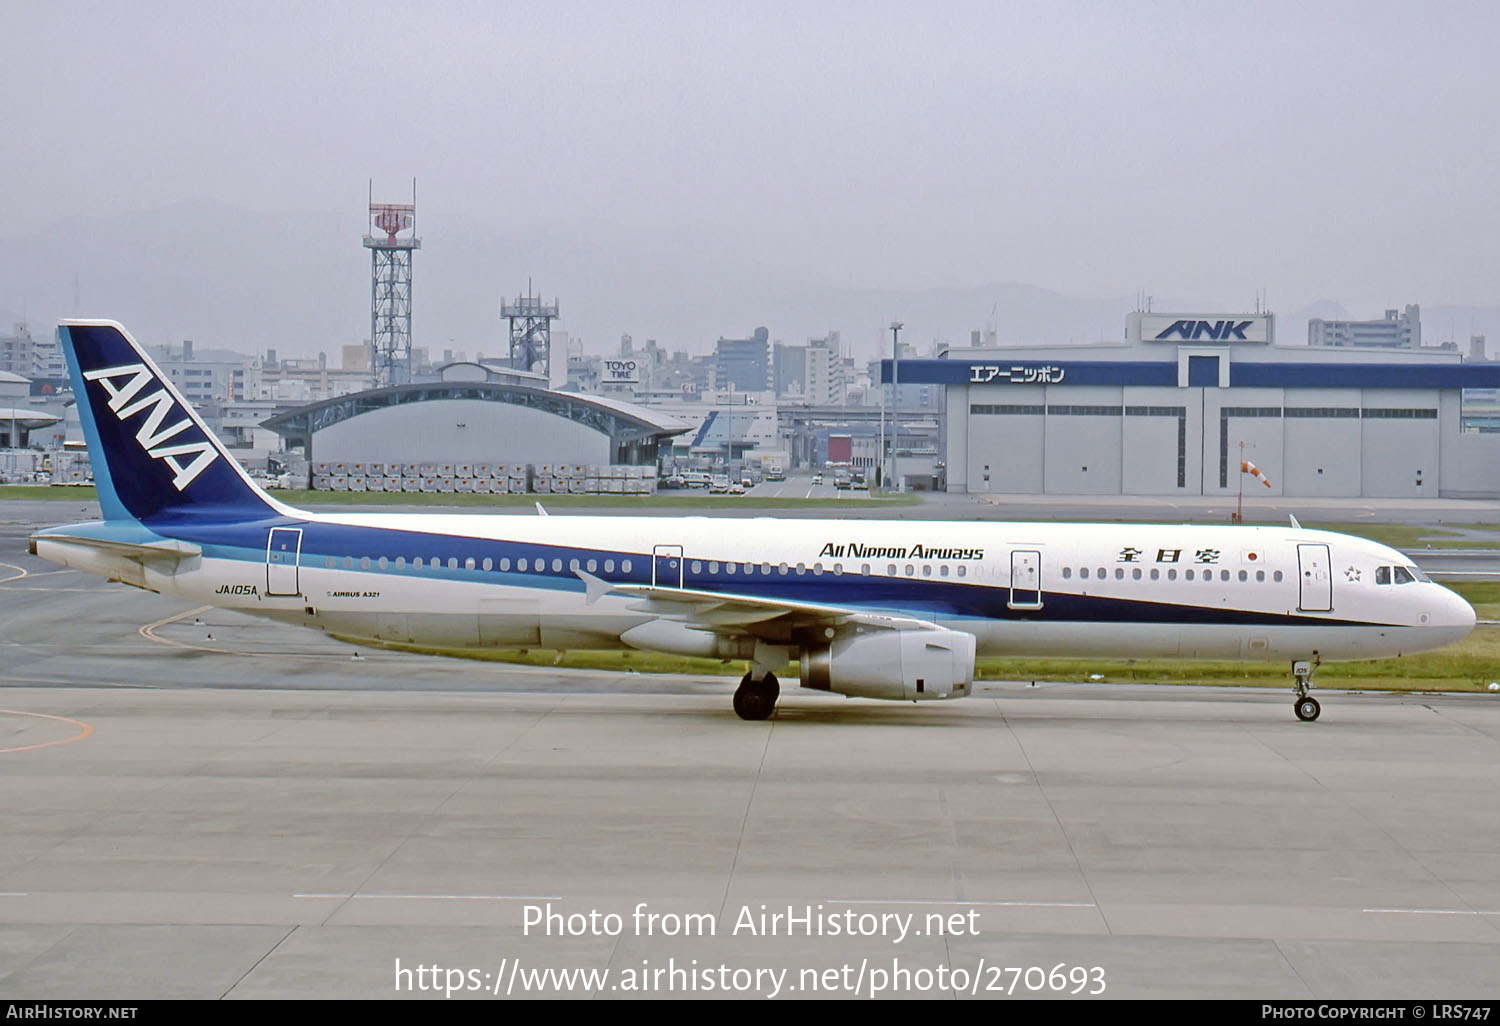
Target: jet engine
x: 914, y: 665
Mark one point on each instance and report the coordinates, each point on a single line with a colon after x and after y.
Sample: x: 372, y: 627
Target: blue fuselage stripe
x: 925, y: 597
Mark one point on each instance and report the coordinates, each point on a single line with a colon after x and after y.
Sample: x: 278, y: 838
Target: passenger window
x: 1155, y: 574
x: 865, y: 570
x: 364, y: 562
x: 1260, y: 575
x: 593, y: 565
x: 1172, y: 574
x: 1119, y: 573
x: 801, y: 569
x: 1276, y: 577
x: 1136, y: 574
x: 331, y: 561
x: 400, y: 562
x: 838, y: 569
x: 469, y: 563
x: 557, y: 566
x: 730, y: 568
x: 782, y: 569
x: 1187, y: 575
x: 452, y: 562
x: 1244, y: 576
x: 521, y: 564
x: 625, y: 566
x: 384, y: 563
x: 1084, y: 573
x: 891, y: 570
x: 944, y: 570
x: 572, y: 565
x: 817, y: 569
x: 697, y: 567
x: 505, y: 564
x: 926, y: 569
x: 609, y: 566
x: 713, y: 566
x: 1067, y: 573
x: 1224, y: 575
x: 963, y: 571
x: 348, y: 562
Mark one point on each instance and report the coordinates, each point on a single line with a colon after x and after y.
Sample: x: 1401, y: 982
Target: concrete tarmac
x: 198, y: 804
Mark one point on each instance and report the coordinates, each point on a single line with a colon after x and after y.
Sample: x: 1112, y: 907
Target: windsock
x: 1246, y: 467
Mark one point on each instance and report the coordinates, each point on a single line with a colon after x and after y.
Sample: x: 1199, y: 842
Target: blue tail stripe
x: 109, y: 500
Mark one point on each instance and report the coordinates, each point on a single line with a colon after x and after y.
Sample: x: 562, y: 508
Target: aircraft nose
x: 1456, y: 612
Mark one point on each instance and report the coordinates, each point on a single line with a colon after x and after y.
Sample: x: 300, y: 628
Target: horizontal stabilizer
x: 168, y: 550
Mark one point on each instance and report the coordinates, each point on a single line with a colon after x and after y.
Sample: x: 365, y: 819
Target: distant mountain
x: 1440, y: 323
x: 231, y: 277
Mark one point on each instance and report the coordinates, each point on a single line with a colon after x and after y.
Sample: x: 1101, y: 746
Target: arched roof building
x: 476, y: 421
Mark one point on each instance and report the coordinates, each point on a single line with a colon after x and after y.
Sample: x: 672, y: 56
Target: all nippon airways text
x: 750, y: 921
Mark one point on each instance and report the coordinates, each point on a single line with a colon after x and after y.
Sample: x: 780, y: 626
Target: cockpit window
x: 1419, y: 575
x: 1382, y: 575
x: 1403, y: 575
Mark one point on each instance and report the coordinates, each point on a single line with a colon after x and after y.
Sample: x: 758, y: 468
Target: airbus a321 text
x: 873, y: 609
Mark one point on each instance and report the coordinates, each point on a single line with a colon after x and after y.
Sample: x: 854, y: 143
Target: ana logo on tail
x: 151, y: 435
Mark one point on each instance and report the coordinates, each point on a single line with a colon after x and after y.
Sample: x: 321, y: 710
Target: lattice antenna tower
x: 530, y: 332
x: 390, y: 287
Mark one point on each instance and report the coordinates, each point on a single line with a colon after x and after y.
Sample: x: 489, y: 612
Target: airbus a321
x: 872, y: 609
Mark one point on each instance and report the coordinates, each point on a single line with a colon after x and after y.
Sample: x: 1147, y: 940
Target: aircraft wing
x: 728, y: 613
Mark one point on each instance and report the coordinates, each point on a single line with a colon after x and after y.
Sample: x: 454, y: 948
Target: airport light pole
x: 896, y: 327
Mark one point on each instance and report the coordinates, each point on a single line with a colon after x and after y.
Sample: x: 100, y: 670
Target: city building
x: 1396, y: 330
x: 743, y: 364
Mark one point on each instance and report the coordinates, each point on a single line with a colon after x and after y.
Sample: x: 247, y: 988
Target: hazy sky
x: 1346, y: 151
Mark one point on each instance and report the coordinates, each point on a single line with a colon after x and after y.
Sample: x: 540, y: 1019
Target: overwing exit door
x: 666, y: 566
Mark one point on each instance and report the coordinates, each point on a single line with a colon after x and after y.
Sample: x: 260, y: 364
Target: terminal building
x: 1175, y: 408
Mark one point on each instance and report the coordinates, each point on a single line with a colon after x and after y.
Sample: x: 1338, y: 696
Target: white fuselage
x: 1035, y: 589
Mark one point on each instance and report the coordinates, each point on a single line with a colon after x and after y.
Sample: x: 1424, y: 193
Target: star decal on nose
x: 1351, y: 574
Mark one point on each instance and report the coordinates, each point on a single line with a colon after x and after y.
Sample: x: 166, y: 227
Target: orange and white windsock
x: 1246, y: 467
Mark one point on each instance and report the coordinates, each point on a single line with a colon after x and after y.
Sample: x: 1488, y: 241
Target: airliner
x: 871, y: 609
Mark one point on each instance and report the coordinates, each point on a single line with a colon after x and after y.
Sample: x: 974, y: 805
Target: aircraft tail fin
x: 152, y: 454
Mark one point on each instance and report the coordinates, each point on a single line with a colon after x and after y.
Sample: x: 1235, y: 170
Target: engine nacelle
x: 911, y: 666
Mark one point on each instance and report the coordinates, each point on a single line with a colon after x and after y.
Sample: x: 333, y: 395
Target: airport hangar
x: 1165, y: 412
x: 477, y: 415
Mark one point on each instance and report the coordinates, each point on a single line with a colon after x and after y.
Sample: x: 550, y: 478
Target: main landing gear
x: 1306, y: 707
x: 756, y: 699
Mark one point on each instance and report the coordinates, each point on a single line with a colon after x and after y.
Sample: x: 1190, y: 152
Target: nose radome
x: 1464, y: 614
x: 1457, y: 612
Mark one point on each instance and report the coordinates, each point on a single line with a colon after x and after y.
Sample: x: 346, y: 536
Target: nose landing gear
x: 1306, y: 707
